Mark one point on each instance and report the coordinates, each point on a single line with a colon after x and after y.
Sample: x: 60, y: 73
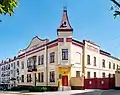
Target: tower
x: 64, y: 33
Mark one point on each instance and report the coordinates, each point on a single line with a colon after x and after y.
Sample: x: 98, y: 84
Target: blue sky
x: 90, y: 19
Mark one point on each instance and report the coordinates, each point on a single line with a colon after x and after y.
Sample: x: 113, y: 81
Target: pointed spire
x: 65, y: 24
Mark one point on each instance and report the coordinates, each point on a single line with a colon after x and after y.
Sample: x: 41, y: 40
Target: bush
x: 30, y: 88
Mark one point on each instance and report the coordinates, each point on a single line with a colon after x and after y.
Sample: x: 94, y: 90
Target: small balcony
x: 29, y: 68
x: 34, y: 68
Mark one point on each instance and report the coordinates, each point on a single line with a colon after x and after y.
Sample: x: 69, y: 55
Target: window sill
x: 52, y: 62
x: 28, y: 82
x: 40, y: 64
x: 40, y: 82
x: 52, y: 82
x: 65, y: 59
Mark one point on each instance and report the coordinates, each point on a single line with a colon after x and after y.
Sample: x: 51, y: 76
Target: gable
x: 36, y: 42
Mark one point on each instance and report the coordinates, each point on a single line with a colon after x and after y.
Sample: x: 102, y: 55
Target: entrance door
x: 64, y: 80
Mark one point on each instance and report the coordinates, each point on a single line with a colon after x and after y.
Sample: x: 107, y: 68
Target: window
x: 103, y: 75
x: 88, y: 74
x: 38, y: 77
x: 94, y: 61
x: 103, y: 63
x: 34, y: 58
x: 117, y: 66
x: 94, y: 74
x: 14, y: 65
x: 11, y: 64
x: 52, y: 57
x: 42, y: 59
x: 64, y: 54
x: 22, y: 64
x: 31, y: 61
x: 41, y: 77
x: 77, y: 73
x: 52, y: 76
x: 17, y: 71
x: 88, y: 59
x: 38, y: 60
x: 11, y: 71
x: 113, y: 65
x: 22, y: 78
x: 18, y: 79
x: 18, y: 63
x: 29, y: 79
x: 109, y: 65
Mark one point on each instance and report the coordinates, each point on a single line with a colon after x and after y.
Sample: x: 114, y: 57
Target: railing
x: 29, y: 68
x: 32, y: 68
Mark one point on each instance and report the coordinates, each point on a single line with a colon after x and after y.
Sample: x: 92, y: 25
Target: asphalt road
x: 101, y: 92
x: 72, y: 92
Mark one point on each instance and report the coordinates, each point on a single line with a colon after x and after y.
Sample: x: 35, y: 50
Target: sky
x: 90, y: 19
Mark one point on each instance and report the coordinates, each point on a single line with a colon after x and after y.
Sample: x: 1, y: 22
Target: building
x: 45, y: 63
x: 9, y: 73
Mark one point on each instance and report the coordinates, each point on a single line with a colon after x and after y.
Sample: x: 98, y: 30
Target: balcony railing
x: 32, y: 68
x: 29, y: 68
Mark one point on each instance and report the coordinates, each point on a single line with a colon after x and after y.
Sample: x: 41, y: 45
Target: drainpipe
x: 46, y: 52
x: 83, y: 63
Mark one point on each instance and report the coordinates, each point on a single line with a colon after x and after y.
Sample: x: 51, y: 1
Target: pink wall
x: 99, y: 83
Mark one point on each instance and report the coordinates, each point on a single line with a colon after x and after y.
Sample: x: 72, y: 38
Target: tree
x: 8, y: 6
x: 116, y: 7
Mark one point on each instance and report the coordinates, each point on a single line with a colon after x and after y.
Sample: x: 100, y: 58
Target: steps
x: 64, y: 88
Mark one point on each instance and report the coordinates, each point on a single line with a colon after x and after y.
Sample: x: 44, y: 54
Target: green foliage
x: 116, y: 8
x: 8, y: 6
x: 30, y: 88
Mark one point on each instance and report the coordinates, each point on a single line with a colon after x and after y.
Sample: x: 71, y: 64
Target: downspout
x: 83, y: 64
x: 46, y: 50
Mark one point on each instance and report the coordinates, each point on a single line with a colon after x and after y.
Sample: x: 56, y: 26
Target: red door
x: 64, y: 80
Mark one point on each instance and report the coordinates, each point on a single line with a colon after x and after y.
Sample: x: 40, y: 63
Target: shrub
x: 34, y: 88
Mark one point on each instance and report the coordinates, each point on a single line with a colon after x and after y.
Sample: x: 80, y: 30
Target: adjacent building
x: 44, y: 62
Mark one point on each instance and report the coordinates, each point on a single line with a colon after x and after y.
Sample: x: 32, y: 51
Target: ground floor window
x: 103, y: 75
x: 94, y: 74
x: 88, y: 74
x: 77, y: 73
x: 29, y: 78
x: 22, y: 78
x: 52, y: 76
x: 41, y: 77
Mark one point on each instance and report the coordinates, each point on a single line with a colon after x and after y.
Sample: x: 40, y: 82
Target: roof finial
x: 65, y: 8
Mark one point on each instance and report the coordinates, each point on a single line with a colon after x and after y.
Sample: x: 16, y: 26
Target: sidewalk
x: 58, y: 92
x: 47, y: 93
